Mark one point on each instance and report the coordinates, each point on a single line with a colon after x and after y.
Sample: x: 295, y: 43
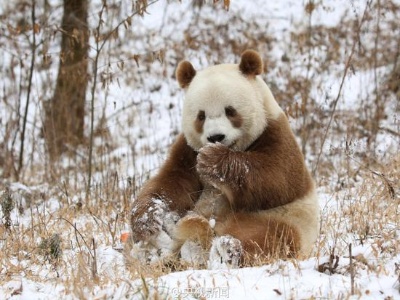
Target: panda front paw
x: 211, y: 162
x: 147, y: 220
x: 226, y: 251
x: 152, y: 227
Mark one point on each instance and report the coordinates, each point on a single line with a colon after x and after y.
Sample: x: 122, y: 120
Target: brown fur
x: 251, y: 63
x: 260, y: 236
x: 234, y: 117
x: 199, y: 122
x: 196, y: 228
x: 176, y: 184
x: 213, y: 204
x: 185, y: 73
x: 270, y: 173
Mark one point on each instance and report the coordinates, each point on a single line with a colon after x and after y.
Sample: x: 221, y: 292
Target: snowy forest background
x: 89, y: 106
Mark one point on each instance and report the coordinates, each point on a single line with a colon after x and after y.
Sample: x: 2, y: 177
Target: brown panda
x: 235, y: 181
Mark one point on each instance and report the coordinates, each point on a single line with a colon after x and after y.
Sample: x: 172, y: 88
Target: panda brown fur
x: 235, y: 180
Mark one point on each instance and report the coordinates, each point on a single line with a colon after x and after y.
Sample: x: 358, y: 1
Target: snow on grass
x: 280, y: 280
x: 142, y: 108
x: 374, y: 260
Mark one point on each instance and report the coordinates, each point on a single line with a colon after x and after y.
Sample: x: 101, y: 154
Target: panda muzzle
x: 216, y: 138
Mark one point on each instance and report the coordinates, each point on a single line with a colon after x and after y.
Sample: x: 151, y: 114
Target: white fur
x: 217, y: 125
x: 192, y: 252
x: 220, y: 86
x: 225, y: 253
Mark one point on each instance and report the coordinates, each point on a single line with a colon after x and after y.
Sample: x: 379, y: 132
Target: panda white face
x: 217, y: 125
x: 222, y: 105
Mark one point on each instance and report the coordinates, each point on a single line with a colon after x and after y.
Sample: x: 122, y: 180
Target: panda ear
x: 185, y: 73
x: 251, y: 63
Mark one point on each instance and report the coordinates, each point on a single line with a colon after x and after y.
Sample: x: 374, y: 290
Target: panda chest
x: 212, y: 203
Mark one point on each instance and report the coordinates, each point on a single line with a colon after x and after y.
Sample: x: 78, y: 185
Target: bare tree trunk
x: 64, y: 114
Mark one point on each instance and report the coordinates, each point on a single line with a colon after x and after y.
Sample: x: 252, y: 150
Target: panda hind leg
x: 261, y: 236
x: 196, y: 228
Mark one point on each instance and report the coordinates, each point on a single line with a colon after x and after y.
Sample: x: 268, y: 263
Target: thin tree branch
x: 346, y: 68
x: 99, y: 47
x: 21, y: 152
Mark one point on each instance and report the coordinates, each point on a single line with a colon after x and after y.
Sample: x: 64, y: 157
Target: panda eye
x: 201, y: 116
x: 230, y: 111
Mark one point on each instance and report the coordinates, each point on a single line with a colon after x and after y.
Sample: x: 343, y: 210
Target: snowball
x: 212, y: 223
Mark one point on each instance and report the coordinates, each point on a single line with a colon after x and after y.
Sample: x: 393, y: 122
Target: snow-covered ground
x: 142, y: 108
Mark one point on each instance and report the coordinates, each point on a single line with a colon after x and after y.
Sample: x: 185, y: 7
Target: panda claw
x: 226, y: 251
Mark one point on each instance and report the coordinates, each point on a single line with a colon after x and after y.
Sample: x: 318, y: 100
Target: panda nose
x: 216, y: 138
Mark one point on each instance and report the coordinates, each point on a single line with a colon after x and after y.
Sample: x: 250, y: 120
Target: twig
x: 94, y: 264
x: 386, y: 181
x: 391, y: 131
x: 378, y: 103
x: 120, y: 24
x: 351, y: 270
x: 96, y: 62
x: 397, y: 272
x: 113, y: 232
x: 304, y: 130
x: 346, y: 68
x: 21, y: 152
x: 98, y: 49
x: 390, y: 187
x: 76, y: 236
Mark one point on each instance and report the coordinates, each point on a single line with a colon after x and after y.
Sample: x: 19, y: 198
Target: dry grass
x: 358, y: 172
x: 364, y: 213
x: 368, y: 211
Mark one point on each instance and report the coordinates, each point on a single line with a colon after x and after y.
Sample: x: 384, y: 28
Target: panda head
x: 226, y: 103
